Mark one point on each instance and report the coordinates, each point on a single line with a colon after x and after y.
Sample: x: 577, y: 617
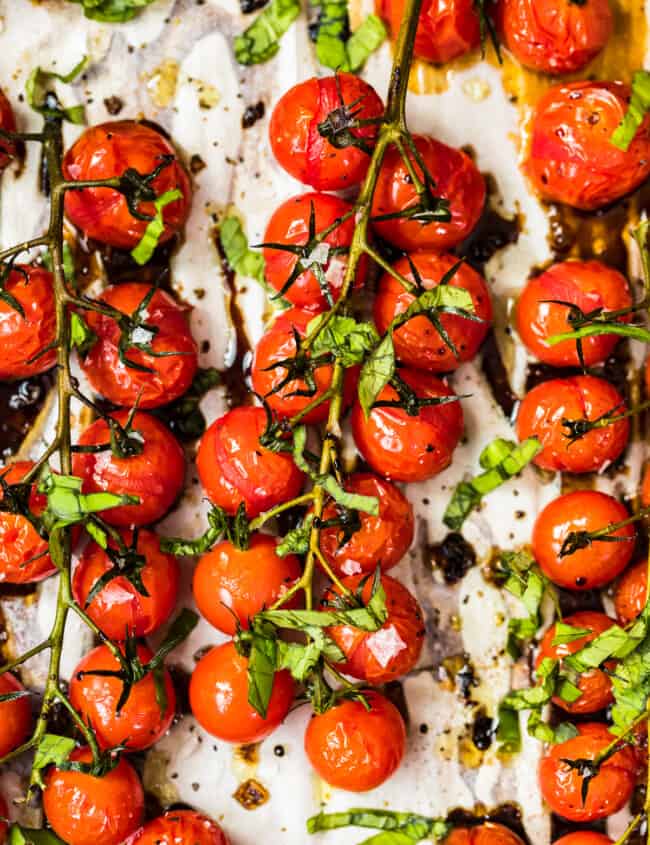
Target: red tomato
x: 277, y: 344
x: 595, y: 686
x: 647, y: 389
x: 235, y: 468
x: 300, y: 148
x: 22, y: 339
x: 7, y: 122
x: 545, y: 408
x: 119, y: 608
x: 87, y: 810
x: 595, y: 565
x: 457, y: 180
x: 588, y: 284
x: 219, y: 697
x: 418, y: 343
x: 140, y: 723
x: 609, y: 791
x: 15, y: 716
x: 355, y: 748
x: 631, y: 592
x: 180, y: 827
x: 409, y: 448
x: 24, y: 553
x: 155, y: 476
x: 109, y: 150
x: 584, y: 837
x: 170, y: 375
x: 230, y: 586
x: 572, y: 158
x: 488, y: 833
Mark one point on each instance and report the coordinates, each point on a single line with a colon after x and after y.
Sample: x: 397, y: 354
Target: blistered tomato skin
x: 168, y: 376
x: 24, y: 338
x: 590, y: 285
x: 457, y: 180
x: 547, y: 406
x: 488, y: 833
x: 180, y: 827
x: 598, y: 563
x: 107, y: 151
x: 7, y: 122
x: 300, y: 148
x: 417, y: 343
x: 584, y: 837
x: 356, y: 748
x: 572, y: 159
x: 631, y: 592
x: 15, y: 716
x: 235, y: 468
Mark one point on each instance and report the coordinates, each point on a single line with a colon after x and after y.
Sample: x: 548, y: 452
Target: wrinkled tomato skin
x: 7, y: 122
x: 572, y: 159
x: 20, y: 542
x: 405, y: 448
x: 87, y: 810
x: 119, y: 608
x: 231, y: 585
x: 234, y: 468
x: 382, y: 540
x: 384, y: 655
x: 457, y: 180
x: 107, y: 151
x: 609, y: 791
x: 155, y: 476
x: 417, y: 343
x: 545, y: 407
x: 594, y: 566
x: 554, y: 36
x: 180, y: 827
x: 219, y: 697
x: 584, y: 837
x: 595, y: 685
x: 488, y: 833
x: 24, y: 338
x: 172, y: 374
x: 355, y: 748
x: 589, y: 285
x: 15, y: 716
x: 631, y: 592
x: 299, y: 147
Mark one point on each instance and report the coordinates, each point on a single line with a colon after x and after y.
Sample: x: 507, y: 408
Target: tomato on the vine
x: 180, y: 827
x: 15, y: 715
x: 584, y: 837
x: 631, y: 592
x: 486, y: 833
x: 28, y: 326
x: 8, y: 123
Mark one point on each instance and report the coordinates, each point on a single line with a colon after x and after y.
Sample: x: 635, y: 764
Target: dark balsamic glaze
x: 20, y: 404
x: 454, y: 556
x: 508, y: 815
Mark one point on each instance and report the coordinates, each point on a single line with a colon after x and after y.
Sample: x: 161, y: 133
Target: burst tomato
x: 180, y: 827
x: 25, y: 337
x: 584, y: 837
x: 631, y: 592
x: 7, y: 122
x: 487, y: 833
x: 15, y: 716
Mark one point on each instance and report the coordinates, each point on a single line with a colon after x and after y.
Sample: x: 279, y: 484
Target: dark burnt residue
x: 251, y: 794
x: 20, y: 404
x: 249, y: 6
x: 493, y: 232
x: 509, y: 815
x: 458, y: 671
x: 575, y: 601
x: 121, y: 267
x: 454, y: 556
x: 394, y: 692
x: 483, y: 730
x: 590, y: 234
x: 252, y: 114
x: 496, y: 374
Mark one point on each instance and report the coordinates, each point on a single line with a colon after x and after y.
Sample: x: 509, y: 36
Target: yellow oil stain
x: 162, y: 82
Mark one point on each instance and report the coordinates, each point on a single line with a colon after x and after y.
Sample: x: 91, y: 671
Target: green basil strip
x: 377, y: 371
x: 37, y: 86
x: 146, y: 248
x: 343, y: 337
x: 112, y: 11
x: 568, y: 633
x: 411, y: 825
x: 260, y: 42
x: 19, y: 835
x: 638, y: 108
x: 241, y: 259
x: 368, y: 37
x: 52, y: 749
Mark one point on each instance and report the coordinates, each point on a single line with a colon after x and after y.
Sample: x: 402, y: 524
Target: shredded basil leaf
x: 67, y: 505
x: 296, y: 541
x: 367, y: 38
x: 240, y: 257
x: 19, y: 835
x: 344, y: 338
x: 82, y: 337
x: 336, y: 47
x: 52, y: 749
x: 377, y: 371
x: 112, y: 11
x: 147, y: 246
x: 638, y: 108
x: 412, y: 826
x: 260, y: 42
x: 564, y: 633
x: 37, y: 89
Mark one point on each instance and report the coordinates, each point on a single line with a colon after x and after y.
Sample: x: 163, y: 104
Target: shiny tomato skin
x: 584, y: 837
x: 24, y: 338
x: 109, y: 150
x: 299, y: 147
x: 172, y: 374
x: 119, y: 607
x: 572, y: 159
x: 87, y: 810
x: 417, y: 343
x: 7, y: 122
x: 405, y: 448
x: 631, y: 592
x: 488, y: 833
x: 594, y: 566
x: 588, y: 284
x: 355, y: 748
x: 382, y: 540
x: 545, y: 407
x: 155, y: 476
x: 457, y: 180
x: 609, y: 791
x: 15, y: 716
x: 595, y: 685
x: 231, y: 585
x: 180, y: 827
x: 235, y: 468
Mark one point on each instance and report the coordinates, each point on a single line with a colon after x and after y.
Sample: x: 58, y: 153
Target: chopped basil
x: 37, y: 90
x: 112, y: 11
x: 82, y: 337
x: 146, y: 248
x: 343, y: 337
x: 19, y: 835
x: 638, y: 108
x: 564, y: 633
x: 377, y: 371
x: 296, y: 541
x: 260, y: 42
x: 398, y: 827
x: 240, y: 257
x: 336, y: 48
x: 67, y: 505
x: 52, y: 749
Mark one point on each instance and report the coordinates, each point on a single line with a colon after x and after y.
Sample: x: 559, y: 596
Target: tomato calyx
x: 409, y: 401
x: 277, y: 432
x: 124, y: 441
x: 299, y: 367
x: 578, y: 428
x: 137, y: 187
x: 576, y: 540
x: 15, y: 500
x: 338, y: 126
x: 347, y: 519
x: 236, y: 529
x: 6, y: 269
x: 587, y: 769
x: 127, y: 562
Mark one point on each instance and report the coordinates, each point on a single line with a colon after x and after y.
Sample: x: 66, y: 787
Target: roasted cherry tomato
x: 572, y: 158
x: 15, y: 716
x: 180, y: 827
x: 86, y: 810
x: 596, y: 564
x: 403, y: 447
x: 109, y: 150
x: 234, y: 467
x: 584, y: 837
x: 269, y: 373
x: 25, y: 337
x: 417, y: 342
x: 231, y: 585
x: 608, y: 792
x: 457, y: 180
x: 7, y: 122
x: 487, y: 833
x: 589, y: 285
x: 155, y: 474
x: 547, y: 409
x: 169, y: 369
x: 384, y: 655
x: 120, y: 608
x: 24, y: 555
x: 357, y: 747
x: 380, y: 540
x: 555, y: 36
x: 595, y: 685
x: 299, y: 146
x: 219, y: 697
x: 631, y: 592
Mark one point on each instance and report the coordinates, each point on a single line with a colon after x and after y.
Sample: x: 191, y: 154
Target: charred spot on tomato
x: 454, y: 556
x: 251, y: 794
